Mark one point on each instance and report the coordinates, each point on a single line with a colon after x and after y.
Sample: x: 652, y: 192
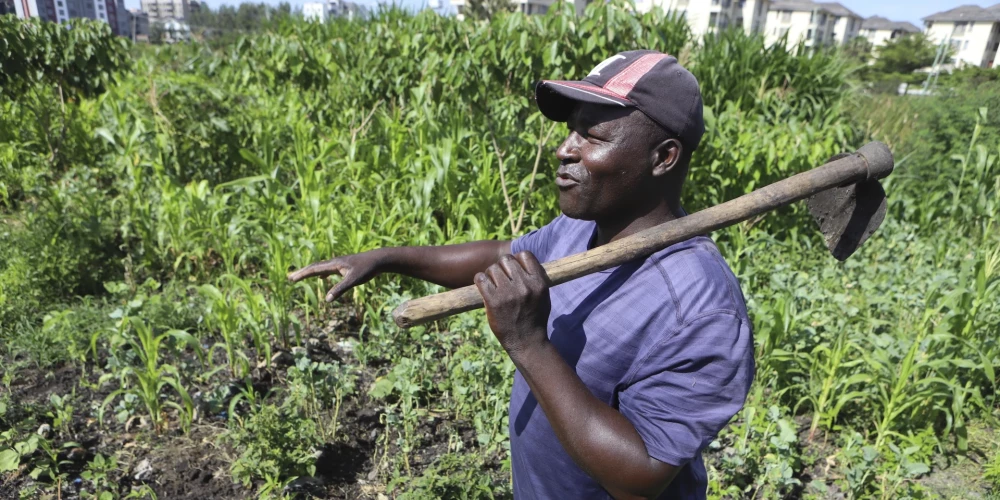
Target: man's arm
x: 598, y: 438
x: 451, y: 266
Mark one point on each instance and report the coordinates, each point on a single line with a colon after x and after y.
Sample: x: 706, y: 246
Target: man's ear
x: 667, y: 156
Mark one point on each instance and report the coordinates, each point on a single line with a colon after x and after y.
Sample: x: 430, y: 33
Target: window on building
x: 713, y: 19
x: 966, y: 44
x: 959, y: 29
x: 786, y: 16
x: 809, y: 33
x: 812, y: 17
x: 726, y: 3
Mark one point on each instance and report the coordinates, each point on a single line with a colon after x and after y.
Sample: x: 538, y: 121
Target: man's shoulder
x: 699, y: 279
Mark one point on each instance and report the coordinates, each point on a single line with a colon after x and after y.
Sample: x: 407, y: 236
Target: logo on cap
x: 604, y: 64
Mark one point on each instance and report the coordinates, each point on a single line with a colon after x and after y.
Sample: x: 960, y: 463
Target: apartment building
x: 754, y: 15
x: 800, y: 21
x: 161, y: 10
x: 973, y: 33
x: 321, y: 11
x: 703, y: 16
x: 879, y: 30
x: 111, y: 12
x: 314, y: 11
x: 846, y: 23
x: 138, y: 25
x: 44, y: 9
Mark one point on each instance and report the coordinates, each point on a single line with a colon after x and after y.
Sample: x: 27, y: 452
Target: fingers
x: 530, y: 264
x: 321, y: 269
x: 511, y: 267
x: 498, y: 274
x: 339, y: 289
x: 484, y: 284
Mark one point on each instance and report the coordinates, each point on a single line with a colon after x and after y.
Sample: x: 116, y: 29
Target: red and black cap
x: 652, y: 82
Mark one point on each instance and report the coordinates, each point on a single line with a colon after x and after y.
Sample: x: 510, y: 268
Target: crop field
x: 153, y: 198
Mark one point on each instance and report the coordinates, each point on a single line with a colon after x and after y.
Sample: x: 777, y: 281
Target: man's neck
x: 613, y: 230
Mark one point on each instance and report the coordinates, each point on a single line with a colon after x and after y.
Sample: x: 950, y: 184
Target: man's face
x: 604, y: 164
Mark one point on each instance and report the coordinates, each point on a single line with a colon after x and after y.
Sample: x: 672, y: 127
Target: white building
x: 973, y: 33
x: 320, y: 12
x: 314, y: 11
x: 175, y: 31
x: 801, y: 21
x: 879, y: 30
x: 846, y: 23
x: 703, y: 16
x: 754, y: 15
x: 160, y: 11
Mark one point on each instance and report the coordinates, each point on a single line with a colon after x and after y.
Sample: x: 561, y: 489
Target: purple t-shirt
x: 665, y: 341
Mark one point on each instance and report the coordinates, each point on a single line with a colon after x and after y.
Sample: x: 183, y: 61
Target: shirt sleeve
x: 690, y: 385
x: 539, y: 242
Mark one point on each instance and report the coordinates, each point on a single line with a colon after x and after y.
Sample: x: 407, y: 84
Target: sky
x: 896, y: 10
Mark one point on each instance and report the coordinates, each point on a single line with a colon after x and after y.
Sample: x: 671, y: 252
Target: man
x: 623, y: 376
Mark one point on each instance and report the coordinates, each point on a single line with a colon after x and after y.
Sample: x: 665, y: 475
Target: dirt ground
x: 196, y: 465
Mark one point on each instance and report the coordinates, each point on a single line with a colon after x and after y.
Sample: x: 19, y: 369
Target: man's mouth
x: 566, y: 181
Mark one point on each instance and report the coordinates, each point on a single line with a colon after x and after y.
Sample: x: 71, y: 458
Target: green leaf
x: 381, y: 388
x: 9, y: 460
x: 106, y: 135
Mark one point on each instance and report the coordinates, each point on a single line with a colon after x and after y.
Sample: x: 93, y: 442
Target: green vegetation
x: 152, y: 347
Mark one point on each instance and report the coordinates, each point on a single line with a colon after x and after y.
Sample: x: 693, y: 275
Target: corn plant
x: 147, y: 380
x: 225, y: 317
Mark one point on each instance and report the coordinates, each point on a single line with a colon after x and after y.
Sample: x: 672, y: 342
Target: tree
x: 905, y: 54
x: 859, y: 50
x: 486, y: 9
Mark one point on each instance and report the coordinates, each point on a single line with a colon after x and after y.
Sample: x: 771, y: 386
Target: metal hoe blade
x: 848, y: 215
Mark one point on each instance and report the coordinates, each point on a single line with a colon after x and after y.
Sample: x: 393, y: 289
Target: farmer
x: 623, y: 376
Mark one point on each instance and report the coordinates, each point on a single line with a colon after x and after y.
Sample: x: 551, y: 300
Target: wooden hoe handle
x: 872, y: 161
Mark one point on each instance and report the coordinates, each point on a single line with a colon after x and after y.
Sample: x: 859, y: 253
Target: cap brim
x: 556, y: 98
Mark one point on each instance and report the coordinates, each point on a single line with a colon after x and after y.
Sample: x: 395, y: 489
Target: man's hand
x: 515, y: 291
x: 356, y: 269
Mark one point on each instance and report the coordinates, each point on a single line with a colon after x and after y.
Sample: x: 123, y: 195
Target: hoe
x: 845, y: 199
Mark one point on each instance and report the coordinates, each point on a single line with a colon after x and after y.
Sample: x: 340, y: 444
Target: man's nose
x: 569, y: 150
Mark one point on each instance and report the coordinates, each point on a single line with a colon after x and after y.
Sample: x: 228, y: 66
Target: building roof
x: 881, y: 23
x: 794, y: 5
x: 809, y: 6
x: 838, y: 9
x: 967, y: 13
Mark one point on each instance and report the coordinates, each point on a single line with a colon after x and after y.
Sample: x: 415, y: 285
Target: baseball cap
x: 650, y: 81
